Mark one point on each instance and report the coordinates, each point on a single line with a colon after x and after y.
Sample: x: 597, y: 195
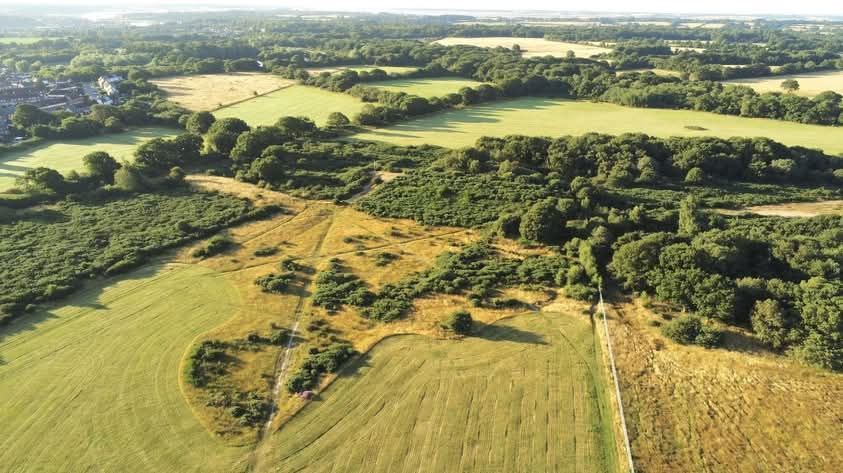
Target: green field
x: 298, y: 100
x: 549, y: 117
x: 67, y: 156
x: 94, y: 385
x: 20, y: 39
x: 525, y: 394
x: 426, y: 87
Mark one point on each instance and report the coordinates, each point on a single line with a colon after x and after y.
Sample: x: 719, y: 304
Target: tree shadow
x: 506, y: 333
x: 738, y: 341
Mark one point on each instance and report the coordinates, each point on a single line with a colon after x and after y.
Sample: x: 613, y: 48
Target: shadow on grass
x: 506, y: 333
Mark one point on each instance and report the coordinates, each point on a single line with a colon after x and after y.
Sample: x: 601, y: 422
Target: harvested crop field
x: 810, y: 84
x: 735, y: 409
x: 95, y: 382
x: 426, y: 87
x: 67, y: 156
x: 550, y: 117
x: 297, y: 100
x: 531, y: 47
x: 524, y: 394
x: 211, y: 91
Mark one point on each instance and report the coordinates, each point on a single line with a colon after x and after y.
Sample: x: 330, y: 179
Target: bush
x: 215, y: 246
x: 266, y: 251
x: 276, y: 283
x: 318, y: 363
x: 690, y: 329
x: 459, y: 322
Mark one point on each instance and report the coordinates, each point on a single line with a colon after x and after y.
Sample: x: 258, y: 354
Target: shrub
x: 318, y: 363
x: 384, y: 258
x: 276, y: 283
x: 690, y: 329
x: 459, y: 322
x: 215, y: 246
x: 266, y: 251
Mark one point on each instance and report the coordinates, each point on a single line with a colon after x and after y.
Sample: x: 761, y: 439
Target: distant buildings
x: 75, y: 97
x: 109, y: 84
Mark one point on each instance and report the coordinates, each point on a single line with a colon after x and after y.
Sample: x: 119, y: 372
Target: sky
x: 743, y: 7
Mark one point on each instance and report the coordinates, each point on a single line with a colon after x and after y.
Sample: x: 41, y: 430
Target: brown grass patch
x: 793, y: 209
x: 741, y: 409
x: 211, y: 91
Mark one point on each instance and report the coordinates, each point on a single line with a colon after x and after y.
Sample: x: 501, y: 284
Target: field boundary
x: 238, y: 102
x: 627, y: 446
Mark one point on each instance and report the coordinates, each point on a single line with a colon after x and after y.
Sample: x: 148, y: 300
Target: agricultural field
x: 692, y: 409
x: 810, y: 84
x: 426, y: 87
x: 530, y: 46
x: 387, y: 69
x: 297, y: 100
x: 211, y: 91
x: 67, y: 156
x: 549, y: 117
x: 523, y: 394
x: 94, y: 377
x: 20, y: 39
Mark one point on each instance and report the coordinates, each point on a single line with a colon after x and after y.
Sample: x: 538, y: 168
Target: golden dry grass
x: 810, y: 84
x: 734, y: 409
x: 531, y: 46
x: 794, y: 209
x: 211, y: 91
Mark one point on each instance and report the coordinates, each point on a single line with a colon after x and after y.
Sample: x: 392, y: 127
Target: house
x: 109, y: 84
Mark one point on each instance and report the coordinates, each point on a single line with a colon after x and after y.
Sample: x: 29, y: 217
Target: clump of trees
x: 335, y: 287
x: 318, y: 363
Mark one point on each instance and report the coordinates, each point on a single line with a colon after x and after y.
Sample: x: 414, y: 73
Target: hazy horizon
x: 805, y: 8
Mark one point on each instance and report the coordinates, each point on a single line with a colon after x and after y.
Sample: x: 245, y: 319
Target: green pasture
x: 426, y: 86
x: 525, y: 394
x: 20, y: 39
x: 67, y: 156
x: 94, y: 384
x: 553, y: 117
x: 297, y: 100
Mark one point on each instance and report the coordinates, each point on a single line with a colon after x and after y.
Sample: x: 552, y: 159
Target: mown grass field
x: 67, y: 156
x: 426, y: 87
x: 211, y: 91
x: 524, y: 394
x: 297, y: 100
x: 548, y: 117
x: 531, y: 47
x: 810, y: 84
x: 94, y: 384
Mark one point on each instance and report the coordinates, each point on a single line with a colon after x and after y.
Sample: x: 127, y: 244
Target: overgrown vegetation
x: 49, y: 251
x: 318, y: 363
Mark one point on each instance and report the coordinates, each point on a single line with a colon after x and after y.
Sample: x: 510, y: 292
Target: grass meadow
x: 20, y: 39
x: 551, y: 117
x: 67, y: 156
x: 297, y: 100
x: 94, y: 384
x: 810, y: 84
x: 531, y: 47
x: 523, y: 394
x: 211, y: 91
x: 426, y: 87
